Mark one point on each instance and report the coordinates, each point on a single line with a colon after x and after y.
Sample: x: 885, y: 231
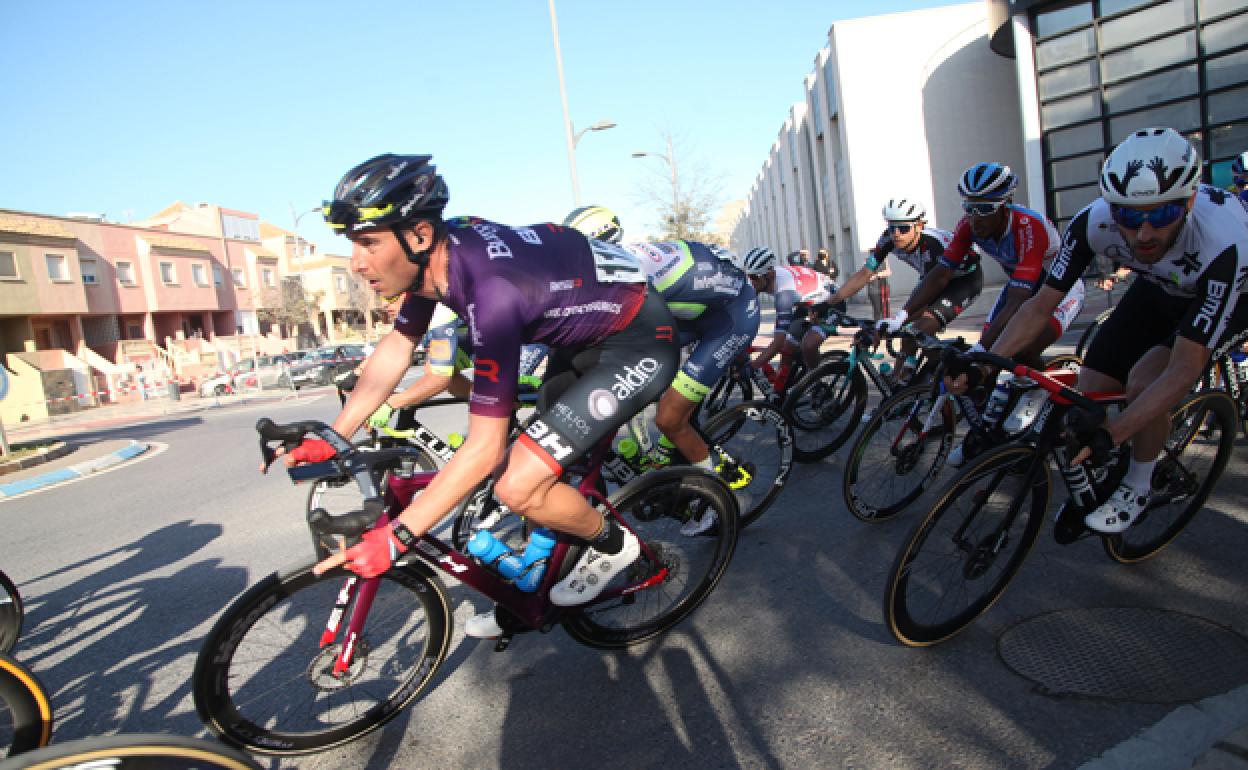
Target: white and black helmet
x: 596, y: 222
x: 1154, y: 165
x: 758, y: 260
x: 904, y: 210
x: 990, y: 181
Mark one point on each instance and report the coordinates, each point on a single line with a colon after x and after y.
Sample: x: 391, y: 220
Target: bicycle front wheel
x: 675, y: 572
x: 263, y: 680
x: 11, y: 613
x: 825, y: 408
x: 892, y: 462
x: 136, y: 751
x: 25, y: 711
x: 1202, y: 438
x: 960, y: 558
x: 728, y: 391
x: 758, y: 438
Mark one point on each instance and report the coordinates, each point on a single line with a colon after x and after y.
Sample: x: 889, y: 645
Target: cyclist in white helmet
x: 1189, y: 244
x: 798, y: 291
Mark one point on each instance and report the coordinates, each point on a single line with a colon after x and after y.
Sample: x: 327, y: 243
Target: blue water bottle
x: 527, y: 569
x: 488, y: 549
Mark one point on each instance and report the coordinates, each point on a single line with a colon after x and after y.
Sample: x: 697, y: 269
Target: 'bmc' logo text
x: 547, y: 439
x: 1212, y: 304
x: 634, y: 378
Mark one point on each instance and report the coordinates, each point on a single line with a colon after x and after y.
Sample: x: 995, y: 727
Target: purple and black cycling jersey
x: 535, y: 284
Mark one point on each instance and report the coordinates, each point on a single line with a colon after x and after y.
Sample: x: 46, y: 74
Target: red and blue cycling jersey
x: 515, y: 285
x: 1029, y: 242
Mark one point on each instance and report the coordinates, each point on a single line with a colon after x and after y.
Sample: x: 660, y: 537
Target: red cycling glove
x: 375, y: 553
x: 312, y: 450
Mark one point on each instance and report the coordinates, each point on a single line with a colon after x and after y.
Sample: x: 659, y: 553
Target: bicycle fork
x: 364, y: 592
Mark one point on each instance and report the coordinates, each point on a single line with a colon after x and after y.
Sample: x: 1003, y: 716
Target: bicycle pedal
x: 503, y: 642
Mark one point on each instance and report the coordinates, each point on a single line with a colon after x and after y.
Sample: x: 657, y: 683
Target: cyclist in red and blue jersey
x: 586, y: 299
x: 1022, y: 241
x: 716, y: 312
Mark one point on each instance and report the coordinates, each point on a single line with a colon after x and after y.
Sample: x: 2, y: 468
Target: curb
x: 134, y: 449
x: 51, y: 452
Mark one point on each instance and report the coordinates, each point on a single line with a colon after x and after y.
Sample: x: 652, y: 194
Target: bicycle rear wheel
x: 1085, y: 339
x: 730, y: 390
x: 11, y: 613
x: 890, y: 463
x: 25, y: 711
x: 675, y: 572
x: 1202, y: 438
x: 135, y: 752
x: 263, y: 678
x: 825, y: 408
x: 960, y: 558
x: 760, y: 440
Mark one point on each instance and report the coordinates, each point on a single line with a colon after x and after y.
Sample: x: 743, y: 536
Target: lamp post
x: 303, y: 289
x: 574, y: 137
x: 667, y: 157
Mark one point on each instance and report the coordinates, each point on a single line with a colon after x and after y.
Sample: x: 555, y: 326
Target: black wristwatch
x: 403, y: 534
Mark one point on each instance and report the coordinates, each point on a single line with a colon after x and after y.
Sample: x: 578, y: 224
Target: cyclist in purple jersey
x: 541, y: 283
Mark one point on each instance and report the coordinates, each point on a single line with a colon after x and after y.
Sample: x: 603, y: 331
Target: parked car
x: 220, y: 384
x: 321, y: 365
x: 266, y: 371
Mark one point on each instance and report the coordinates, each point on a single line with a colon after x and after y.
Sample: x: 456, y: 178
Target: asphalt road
x: 789, y: 664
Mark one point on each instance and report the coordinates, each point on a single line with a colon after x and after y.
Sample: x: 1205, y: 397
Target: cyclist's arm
x: 420, y: 391
x: 390, y: 361
x: 775, y: 346
x: 929, y: 289
x: 854, y: 283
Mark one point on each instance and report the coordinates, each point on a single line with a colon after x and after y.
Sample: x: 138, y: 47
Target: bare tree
x: 289, y: 306
x: 685, y: 193
x: 362, y: 301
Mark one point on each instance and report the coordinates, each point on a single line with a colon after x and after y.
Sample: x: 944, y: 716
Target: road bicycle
x: 26, y: 716
x: 906, y: 441
x: 133, y: 752
x: 963, y: 554
x: 302, y: 662
x: 11, y: 613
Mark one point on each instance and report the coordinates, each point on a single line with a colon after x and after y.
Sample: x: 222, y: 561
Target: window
x: 87, y: 266
x: 199, y: 275
x: 267, y: 275
x: 125, y: 274
x: 56, y: 267
x: 216, y: 275
x: 237, y: 272
x: 8, y: 266
x: 340, y: 283
x: 168, y: 275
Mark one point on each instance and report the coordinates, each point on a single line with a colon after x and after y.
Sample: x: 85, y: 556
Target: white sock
x: 1140, y: 475
x: 706, y: 463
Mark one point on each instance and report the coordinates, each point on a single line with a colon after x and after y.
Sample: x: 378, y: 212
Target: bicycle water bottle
x: 628, y: 449
x: 456, y: 440
x: 995, y: 408
x: 526, y: 570
x: 488, y: 549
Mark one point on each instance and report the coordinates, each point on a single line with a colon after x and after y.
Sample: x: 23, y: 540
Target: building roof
x: 173, y: 242
x: 270, y: 231
x: 261, y: 252
x: 33, y: 226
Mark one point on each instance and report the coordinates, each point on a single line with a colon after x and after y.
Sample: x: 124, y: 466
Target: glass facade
x: 1105, y: 68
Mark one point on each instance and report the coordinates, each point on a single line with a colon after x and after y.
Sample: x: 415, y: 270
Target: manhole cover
x: 1126, y: 653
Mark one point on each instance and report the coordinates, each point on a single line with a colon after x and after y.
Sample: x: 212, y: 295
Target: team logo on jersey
x: 486, y: 369
x: 634, y: 378
x: 547, y: 439
x: 495, y: 246
x: 602, y: 404
x: 663, y: 333
x: 439, y: 350
x: 528, y: 235
x: 568, y: 285
x: 1211, y: 306
x: 1189, y: 263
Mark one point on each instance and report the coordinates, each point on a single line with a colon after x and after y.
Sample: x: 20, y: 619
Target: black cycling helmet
x: 386, y: 191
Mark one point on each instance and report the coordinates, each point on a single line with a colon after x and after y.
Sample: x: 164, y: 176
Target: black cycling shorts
x: 958, y: 295
x: 1145, y: 317
x: 588, y: 394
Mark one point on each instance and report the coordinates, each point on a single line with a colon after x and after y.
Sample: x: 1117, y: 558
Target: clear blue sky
x: 122, y: 108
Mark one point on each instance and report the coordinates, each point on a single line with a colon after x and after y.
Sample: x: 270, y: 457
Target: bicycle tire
x: 727, y: 391
x: 766, y: 453
x: 26, y: 715
x: 12, y: 613
x: 819, y: 422
x: 1175, y: 479
x: 654, y: 507
x: 284, y: 703
x: 917, y: 566
x: 1085, y: 339
x: 137, y: 751
x: 889, y: 450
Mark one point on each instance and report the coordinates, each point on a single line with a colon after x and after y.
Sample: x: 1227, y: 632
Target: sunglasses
x: 901, y: 228
x: 340, y: 215
x: 982, y: 208
x: 1134, y: 219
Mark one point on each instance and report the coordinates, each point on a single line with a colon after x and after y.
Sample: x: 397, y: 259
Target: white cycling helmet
x: 904, y: 210
x: 758, y: 260
x: 1154, y: 165
x: 597, y: 222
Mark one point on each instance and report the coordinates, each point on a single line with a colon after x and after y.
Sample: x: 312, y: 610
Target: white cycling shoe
x: 593, y: 572
x: 696, y: 526
x: 483, y: 626
x: 1117, y: 513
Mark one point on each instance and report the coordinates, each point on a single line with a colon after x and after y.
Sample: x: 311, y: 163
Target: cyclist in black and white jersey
x: 1189, y: 244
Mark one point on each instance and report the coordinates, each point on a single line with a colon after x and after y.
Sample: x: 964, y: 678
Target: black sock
x: 611, y: 539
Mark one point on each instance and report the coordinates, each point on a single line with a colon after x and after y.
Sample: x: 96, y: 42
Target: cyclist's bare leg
x: 530, y: 487
x: 1033, y: 354
x: 811, y: 342
x: 1147, y: 443
x: 460, y: 386
x: 925, y: 322
x: 673, y: 420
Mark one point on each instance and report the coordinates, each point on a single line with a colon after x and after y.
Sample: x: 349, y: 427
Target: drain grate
x: 1127, y: 654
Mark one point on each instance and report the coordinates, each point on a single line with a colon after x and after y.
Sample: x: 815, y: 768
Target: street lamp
x: 303, y: 289
x: 574, y: 137
x: 667, y: 157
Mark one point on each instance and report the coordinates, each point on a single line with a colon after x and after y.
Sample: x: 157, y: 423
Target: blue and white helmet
x: 990, y: 181
x: 758, y: 260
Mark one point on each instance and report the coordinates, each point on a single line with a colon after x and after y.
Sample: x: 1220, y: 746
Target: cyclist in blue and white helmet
x: 759, y: 260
